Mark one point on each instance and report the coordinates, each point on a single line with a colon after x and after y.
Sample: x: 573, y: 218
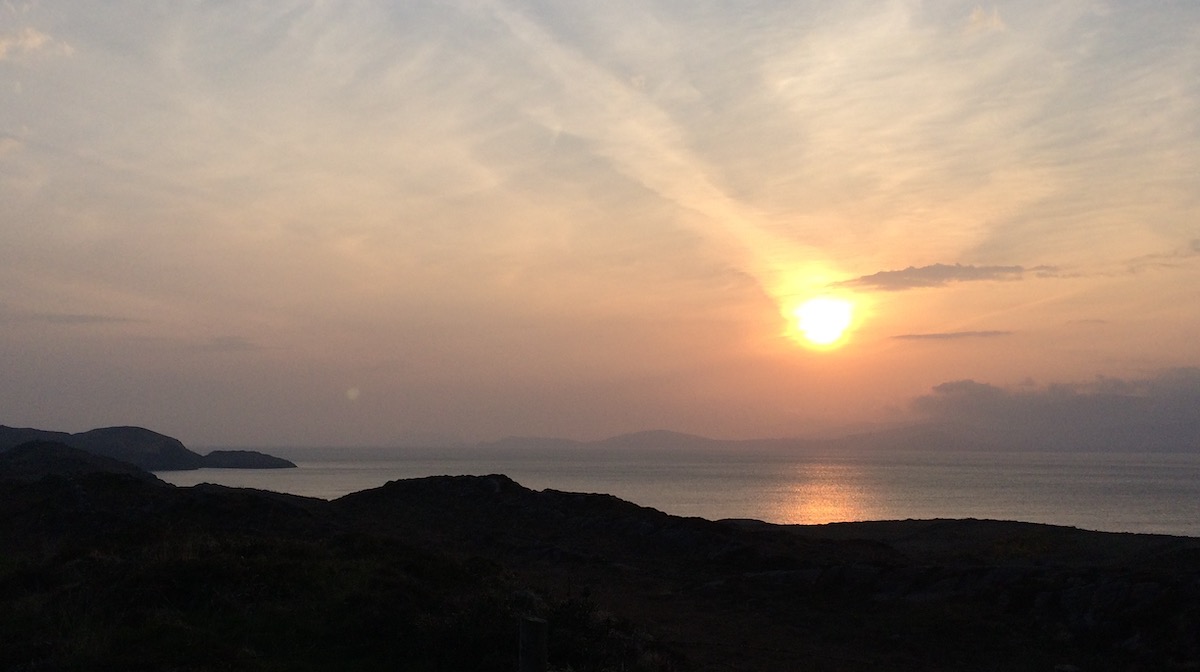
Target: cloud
x: 10, y: 315
x: 640, y: 137
x: 30, y: 41
x: 938, y: 275
x: 951, y: 335
x: 1171, y: 259
x: 1161, y: 412
x: 983, y: 21
x: 76, y: 318
x: 477, y: 187
x: 8, y: 144
x: 229, y: 344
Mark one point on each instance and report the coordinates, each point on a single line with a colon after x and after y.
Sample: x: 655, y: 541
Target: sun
x: 823, y: 321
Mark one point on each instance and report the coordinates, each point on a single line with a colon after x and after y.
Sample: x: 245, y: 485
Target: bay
x: 1116, y: 492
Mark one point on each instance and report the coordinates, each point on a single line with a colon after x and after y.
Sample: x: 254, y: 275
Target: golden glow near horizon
x: 823, y: 321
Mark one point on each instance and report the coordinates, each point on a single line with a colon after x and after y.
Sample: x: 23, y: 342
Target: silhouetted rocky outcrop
x: 243, y: 459
x: 142, y: 448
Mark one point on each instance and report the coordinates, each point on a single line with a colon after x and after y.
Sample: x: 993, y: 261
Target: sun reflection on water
x: 824, y: 493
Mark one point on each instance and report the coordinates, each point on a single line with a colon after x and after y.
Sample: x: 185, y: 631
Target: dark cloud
x: 1157, y: 413
x: 939, y: 275
x: 951, y: 335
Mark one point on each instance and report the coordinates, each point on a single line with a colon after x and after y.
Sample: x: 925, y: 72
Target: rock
x: 244, y: 459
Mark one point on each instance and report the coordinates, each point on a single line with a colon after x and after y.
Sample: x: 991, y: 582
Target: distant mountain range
x: 909, y: 437
x: 922, y: 436
x: 143, y: 448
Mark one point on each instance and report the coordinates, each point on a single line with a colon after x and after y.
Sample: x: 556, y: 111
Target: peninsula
x: 143, y: 448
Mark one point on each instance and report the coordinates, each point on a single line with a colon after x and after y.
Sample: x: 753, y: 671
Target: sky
x: 371, y: 223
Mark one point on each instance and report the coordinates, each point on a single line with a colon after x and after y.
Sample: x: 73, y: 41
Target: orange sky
x: 374, y: 223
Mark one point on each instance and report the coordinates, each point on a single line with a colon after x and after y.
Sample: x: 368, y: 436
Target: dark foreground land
x: 105, y: 567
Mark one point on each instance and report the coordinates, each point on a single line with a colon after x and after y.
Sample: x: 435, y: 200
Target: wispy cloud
x: 937, y: 275
x: 229, y: 344
x: 643, y: 139
x: 480, y: 184
x: 1171, y: 259
x: 951, y: 335
x: 985, y: 21
x: 77, y: 318
x: 66, y: 319
x: 8, y: 143
x: 28, y: 41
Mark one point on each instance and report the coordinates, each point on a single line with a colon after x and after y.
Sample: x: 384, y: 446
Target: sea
x: 1116, y: 492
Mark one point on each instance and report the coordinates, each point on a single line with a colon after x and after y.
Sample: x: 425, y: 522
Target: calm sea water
x: 1158, y: 493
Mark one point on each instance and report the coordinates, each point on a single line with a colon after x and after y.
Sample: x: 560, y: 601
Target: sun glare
x: 823, y: 321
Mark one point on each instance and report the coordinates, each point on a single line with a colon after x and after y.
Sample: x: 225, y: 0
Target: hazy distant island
x: 143, y: 448
x: 932, y: 436
x: 105, y: 566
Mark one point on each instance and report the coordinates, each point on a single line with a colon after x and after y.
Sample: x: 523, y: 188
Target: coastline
x: 439, y: 571
x: 1155, y: 494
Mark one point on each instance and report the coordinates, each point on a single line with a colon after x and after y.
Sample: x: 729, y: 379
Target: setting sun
x: 823, y: 320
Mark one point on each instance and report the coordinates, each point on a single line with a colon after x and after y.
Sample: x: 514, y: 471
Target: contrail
x: 641, y: 140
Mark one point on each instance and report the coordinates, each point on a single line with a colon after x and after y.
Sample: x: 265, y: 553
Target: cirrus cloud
x: 951, y: 335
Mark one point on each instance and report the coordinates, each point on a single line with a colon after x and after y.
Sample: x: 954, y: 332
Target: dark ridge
x: 15, y: 436
x: 497, y: 514
x: 37, y: 459
x: 147, y: 449
x: 100, y: 570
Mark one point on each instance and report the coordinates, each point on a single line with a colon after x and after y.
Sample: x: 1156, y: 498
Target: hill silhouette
x: 144, y: 448
x: 34, y: 460
x: 103, y: 568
